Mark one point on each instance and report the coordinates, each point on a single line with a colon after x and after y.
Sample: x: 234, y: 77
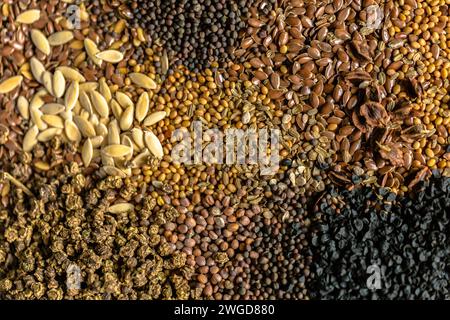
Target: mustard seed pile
x: 116, y: 179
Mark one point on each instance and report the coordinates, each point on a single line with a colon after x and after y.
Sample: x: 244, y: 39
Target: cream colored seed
x: 120, y: 208
x: 113, y: 132
x: 92, y: 49
x: 59, y: 84
x: 60, y: 38
x: 37, y: 69
x: 53, y: 121
x: 126, y: 120
x: 37, y: 101
x: 71, y: 130
x: 86, y: 128
x: 10, y: 84
x: 126, y: 141
x: 30, y: 139
x: 104, y: 89
x: 124, y: 100
x: 48, y: 134
x: 52, y: 108
x: 138, y: 137
x: 70, y: 74
x: 142, y: 107
x: 36, y: 118
x: 140, y: 159
x: 85, y: 102
x: 107, y: 161
x: 29, y: 16
x: 101, y: 130
x: 72, y: 95
x: 153, y: 144
x: 111, y: 56
x: 116, y: 150
x: 97, y: 141
x: 40, y: 41
x: 100, y: 104
x: 116, y: 109
x: 87, y: 152
x: 88, y: 86
x: 154, y: 118
x: 113, y: 171
x: 22, y: 106
x: 143, y: 81
x: 47, y: 81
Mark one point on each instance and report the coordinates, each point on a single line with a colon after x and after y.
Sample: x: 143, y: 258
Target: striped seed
x: 70, y: 74
x: 29, y: 16
x: 37, y: 69
x: 59, y: 84
x: 86, y: 128
x: 87, y: 152
x: 53, y: 121
x: 142, y: 80
x: 22, y: 107
x: 71, y: 130
x: 100, y: 104
x: 104, y: 89
x: 126, y: 120
x: 116, y: 150
x: 116, y: 109
x: 153, y: 144
x: 85, y: 102
x: 142, y: 107
x: 92, y: 49
x: 30, y: 139
x: 124, y: 100
x: 48, y: 134
x: 154, y: 118
x: 138, y: 137
x: 36, y: 118
x: 60, y: 38
x: 72, y: 95
x: 120, y: 208
x: 10, y: 84
x: 113, y: 132
x: 111, y: 56
x: 52, y: 108
x: 47, y: 81
x: 40, y: 41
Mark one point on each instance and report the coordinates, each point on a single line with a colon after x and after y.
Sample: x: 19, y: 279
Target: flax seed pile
x: 94, y: 95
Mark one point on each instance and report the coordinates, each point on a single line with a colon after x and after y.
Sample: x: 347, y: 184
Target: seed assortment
x: 98, y: 98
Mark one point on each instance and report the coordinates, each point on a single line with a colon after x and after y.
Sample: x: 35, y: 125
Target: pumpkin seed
x: 72, y: 95
x: 48, y: 134
x: 142, y: 106
x: 142, y: 80
x: 120, y: 208
x: 85, y: 102
x: 104, y: 90
x: 116, y: 109
x: 126, y: 120
x: 52, y: 108
x: 10, y: 84
x: 53, y: 120
x: 124, y: 100
x: 138, y: 137
x: 153, y: 144
x: 60, y: 38
x: 86, y: 128
x: 29, y: 16
x: 40, y: 41
x: 87, y: 152
x: 47, y: 80
x: 113, y: 132
x: 100, y: 104
x: 111, y: 56
x: 59, y: 84
x: 92, y: 49
x: 30, y: 139
x: 37, y: 69
x: 154, y: 118
x: 22, y: 107
x: 72, y: 131
x: 70, y: 74
x: 117, y: 150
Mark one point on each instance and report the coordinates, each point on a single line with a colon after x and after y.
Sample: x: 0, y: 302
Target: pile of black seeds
x: 406, y: 238
x: 194, y: 32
